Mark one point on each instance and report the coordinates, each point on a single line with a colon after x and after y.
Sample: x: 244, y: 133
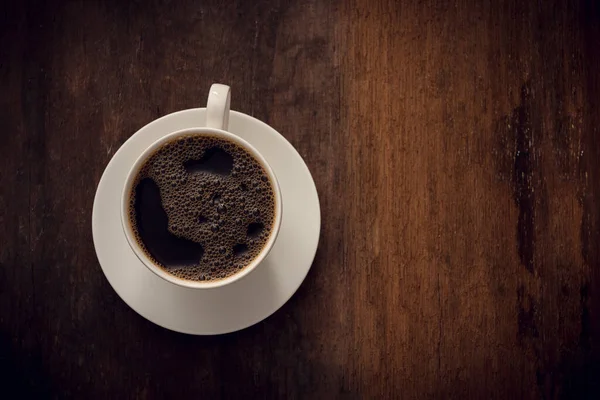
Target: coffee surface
x: 202, y: 207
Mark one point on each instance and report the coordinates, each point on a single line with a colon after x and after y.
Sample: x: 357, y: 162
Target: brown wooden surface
x: 455, y: 147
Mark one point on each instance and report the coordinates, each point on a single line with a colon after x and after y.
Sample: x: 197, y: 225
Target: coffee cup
x: 217, y: 118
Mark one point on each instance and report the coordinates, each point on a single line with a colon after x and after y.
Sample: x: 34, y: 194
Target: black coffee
x: 202, y: 207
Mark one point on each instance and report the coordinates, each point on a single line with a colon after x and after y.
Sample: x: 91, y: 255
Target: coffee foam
x: 215, y: 194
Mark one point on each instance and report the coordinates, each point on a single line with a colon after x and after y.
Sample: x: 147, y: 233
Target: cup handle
x: 217, y: 106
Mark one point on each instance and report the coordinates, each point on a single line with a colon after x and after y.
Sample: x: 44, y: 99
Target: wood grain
x: 455, y: 146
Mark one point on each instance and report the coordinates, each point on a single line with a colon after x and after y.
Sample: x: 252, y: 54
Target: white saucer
x: 242, y: 303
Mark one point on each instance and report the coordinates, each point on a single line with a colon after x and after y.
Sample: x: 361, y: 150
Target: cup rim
x: 128, y: 229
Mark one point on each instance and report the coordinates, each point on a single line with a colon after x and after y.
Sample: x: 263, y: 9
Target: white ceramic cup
x: 217, y: 119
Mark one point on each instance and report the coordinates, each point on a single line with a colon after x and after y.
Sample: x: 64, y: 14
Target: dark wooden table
x: 455, y: 147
